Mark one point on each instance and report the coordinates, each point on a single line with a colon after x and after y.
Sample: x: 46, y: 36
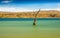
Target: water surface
x: 25, y: 29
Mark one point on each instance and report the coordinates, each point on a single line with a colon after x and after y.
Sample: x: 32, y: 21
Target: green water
x: 25, y: 29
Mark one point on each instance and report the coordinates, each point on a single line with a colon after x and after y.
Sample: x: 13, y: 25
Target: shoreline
x: 26, y: 19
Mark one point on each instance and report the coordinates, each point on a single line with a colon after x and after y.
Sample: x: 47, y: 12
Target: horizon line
x: 30, y: 10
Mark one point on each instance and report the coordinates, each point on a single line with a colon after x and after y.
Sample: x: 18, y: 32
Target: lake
x: 25, y: 29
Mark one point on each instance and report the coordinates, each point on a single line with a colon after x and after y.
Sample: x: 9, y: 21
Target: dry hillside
x: 42, y: 14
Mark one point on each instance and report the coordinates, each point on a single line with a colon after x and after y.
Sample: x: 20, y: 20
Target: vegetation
x: 53, y: 15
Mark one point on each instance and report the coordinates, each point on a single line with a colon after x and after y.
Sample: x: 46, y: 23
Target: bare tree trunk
x: 34, y: 23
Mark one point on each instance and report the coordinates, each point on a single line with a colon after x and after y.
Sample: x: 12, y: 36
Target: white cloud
x: 50, y: 9
x: 13, y: 9
x: 44, y: 7
x: 6, y: 1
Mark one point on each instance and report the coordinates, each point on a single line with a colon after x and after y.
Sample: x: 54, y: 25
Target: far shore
x: 42, y: 14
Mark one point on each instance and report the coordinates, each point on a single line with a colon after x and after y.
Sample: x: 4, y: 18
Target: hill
x: 42, y: 14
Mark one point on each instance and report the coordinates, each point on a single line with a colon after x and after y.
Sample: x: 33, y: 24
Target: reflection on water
x: 25, y: 29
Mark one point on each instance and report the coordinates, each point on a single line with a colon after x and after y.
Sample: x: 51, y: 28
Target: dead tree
x: 35, y: 16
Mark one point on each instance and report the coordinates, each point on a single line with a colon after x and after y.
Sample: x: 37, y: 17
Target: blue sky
x: 29, y: 5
